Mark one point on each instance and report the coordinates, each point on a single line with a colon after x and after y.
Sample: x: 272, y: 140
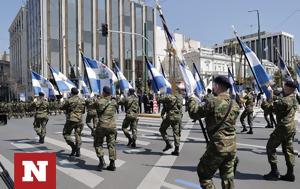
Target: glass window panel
x: 87, y: 28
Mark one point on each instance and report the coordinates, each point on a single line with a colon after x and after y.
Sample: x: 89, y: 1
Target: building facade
x: 5, y: 81
x: 283, y: 41
x: 59, y: 30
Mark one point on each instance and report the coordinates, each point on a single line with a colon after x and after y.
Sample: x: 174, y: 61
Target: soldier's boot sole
x: 168, y: 146
x: 290, y: 178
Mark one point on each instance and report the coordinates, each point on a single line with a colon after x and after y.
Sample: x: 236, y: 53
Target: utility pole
x: 259, y: 49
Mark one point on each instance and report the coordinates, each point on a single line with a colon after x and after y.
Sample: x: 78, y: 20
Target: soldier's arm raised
x: 197, y: 110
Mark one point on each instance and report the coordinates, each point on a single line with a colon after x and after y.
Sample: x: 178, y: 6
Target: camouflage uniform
x: 268, y: 115
x: 3, y: 112
x: 131, y: 104
x: 172, y: 107
x: 41, y: 107
x: 285, y: 109
x: 106, y: 110
x: 221, y: 150
x: 91, y: 116
x: 248, y: 112
x: 74, y: 107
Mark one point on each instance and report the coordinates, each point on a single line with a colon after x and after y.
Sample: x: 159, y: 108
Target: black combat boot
x: 74, y: 149
x: 176, y: 151
x: 42, y: 140
x: 111, y: 166
x: 102, y: 164
x: 244, y: 129
x: 129, y: 141
x: 77, y: 153
x: 289, y: 176
x: 250, y: 131
x: 274, y: 174
x: 168, y: 146
x: 133, y: 144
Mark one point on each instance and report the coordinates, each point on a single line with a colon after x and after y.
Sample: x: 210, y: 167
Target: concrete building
x: 4, y: 77
x: 18, y: 53
x: 282, y: 40
x: 58, y: 29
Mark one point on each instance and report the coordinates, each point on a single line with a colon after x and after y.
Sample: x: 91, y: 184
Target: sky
x: 208, y: 21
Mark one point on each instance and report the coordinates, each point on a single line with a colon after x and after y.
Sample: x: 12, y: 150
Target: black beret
x: 107, y: 90
x: 291, y: 84
x: 41, y: 94
x: 222, y: 80
x: 74, y: 91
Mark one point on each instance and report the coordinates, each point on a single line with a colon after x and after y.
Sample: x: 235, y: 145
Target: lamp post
x: 259, y: 50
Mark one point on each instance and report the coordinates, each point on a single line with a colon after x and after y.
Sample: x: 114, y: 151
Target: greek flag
x: 285, y: 74
x: 41, y: 84
x: 261, y: 76
x: 200, y: 85
x: 83, y: 87
x: 99, y: 75
x: 123, y: 82
x: 233, y: 88
x: 298, y: 76
x: 159, y: 82
x: 62, y: 82
x: 189, y: 80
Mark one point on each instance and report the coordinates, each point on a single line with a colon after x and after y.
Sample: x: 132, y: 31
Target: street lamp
x: 259, y: 52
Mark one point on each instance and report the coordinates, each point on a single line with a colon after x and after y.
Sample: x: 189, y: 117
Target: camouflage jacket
x: 266, y: 105
x: 106, y: 110
x: 214, y: 111
x: 172, y: 106
x: 3, y: 108
x: 41, y: 108
x: 249, y: 101
x: 285, y: 109
x: 74, y: 107
x: 131, y: 104
x: 90, y: 105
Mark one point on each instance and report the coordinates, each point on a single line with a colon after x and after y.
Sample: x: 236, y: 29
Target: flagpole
x: 89, y: 82
x: 147, y: 62
x: 198, y: 75
x: 54, y: 78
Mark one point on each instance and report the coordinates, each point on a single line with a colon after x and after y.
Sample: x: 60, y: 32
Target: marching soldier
x: 171, y: 115
x: 74, y: 107
x: 41, y: 107
x: 284, y: 108
x: 131, y: 104
x: 220, y: 113
x: 91, y: 117
x: 3, y: 112
x: 106, y: 108
x: 248, y: 112
x: 268, y: 115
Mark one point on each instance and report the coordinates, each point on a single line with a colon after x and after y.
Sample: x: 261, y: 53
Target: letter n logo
x: 35, y: 170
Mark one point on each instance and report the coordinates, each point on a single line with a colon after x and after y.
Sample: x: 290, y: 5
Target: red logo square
x: 35, y: 170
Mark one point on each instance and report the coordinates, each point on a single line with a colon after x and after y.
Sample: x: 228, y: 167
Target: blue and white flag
x: 83, y: 87
x: 200, y: 85
x: 123, y: 82
x: 285, y: 74
x: 62, y: 82
x: 99, y: 75
x: 159, y: 82
x: 189, y: 80
x: 233, y: 88
x: 41, y: 84
x: 259, y: 72
x: 298, y: 76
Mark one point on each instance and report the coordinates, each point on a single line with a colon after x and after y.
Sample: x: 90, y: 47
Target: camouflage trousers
x: 132, y: 122
x: 91, y: 121
x: 175, y: 124
x: 286, y: 141
x: 210, y: 162
x: 67, y: 132
x: 100, y: 134
x: 269, y: 117
x: 39, y: 126
x: 249, y: 114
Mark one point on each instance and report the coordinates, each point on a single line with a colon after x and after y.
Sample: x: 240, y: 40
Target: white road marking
x: 157, y: 175
x: 69, y: 168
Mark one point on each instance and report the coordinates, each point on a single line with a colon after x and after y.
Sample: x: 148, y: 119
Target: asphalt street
x: 146, y: 166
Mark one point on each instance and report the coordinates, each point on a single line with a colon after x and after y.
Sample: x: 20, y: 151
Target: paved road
x: 146, y: 166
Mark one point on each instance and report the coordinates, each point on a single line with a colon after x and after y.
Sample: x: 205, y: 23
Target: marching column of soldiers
x: 218, y: 109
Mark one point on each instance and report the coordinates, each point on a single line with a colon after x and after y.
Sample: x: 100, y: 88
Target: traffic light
x: 104, y: 30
